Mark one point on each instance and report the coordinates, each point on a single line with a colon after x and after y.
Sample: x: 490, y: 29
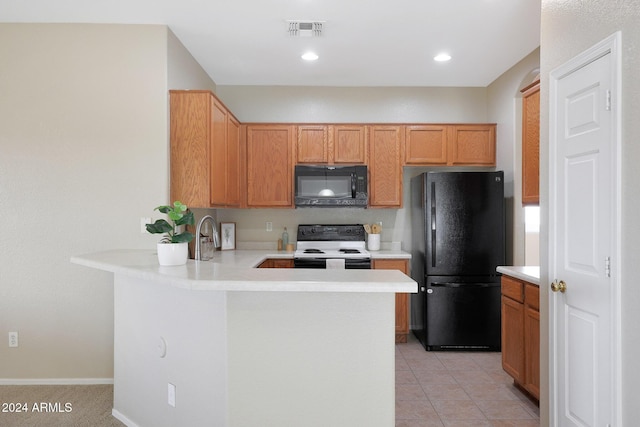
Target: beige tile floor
x: 456, y: 389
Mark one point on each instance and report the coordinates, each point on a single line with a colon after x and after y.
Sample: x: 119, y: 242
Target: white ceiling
x: 365, y: 42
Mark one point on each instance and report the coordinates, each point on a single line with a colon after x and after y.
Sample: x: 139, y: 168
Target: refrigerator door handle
x: 433, y: 224
x: 463, y: 284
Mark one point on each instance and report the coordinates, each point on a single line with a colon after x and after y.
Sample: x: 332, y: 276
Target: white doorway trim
x: 610, y: 45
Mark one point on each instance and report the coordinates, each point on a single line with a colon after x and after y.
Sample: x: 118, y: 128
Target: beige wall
x: 84, y: 155
x: 184, y: 72
x: 300, y: 104
x: 568, y: 28
x: 504, y: 105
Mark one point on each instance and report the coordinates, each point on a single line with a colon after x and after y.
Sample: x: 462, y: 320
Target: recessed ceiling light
x: 442, y: 57
x: 309, y: 56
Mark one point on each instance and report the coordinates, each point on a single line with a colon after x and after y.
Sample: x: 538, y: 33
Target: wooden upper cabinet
x: 385, y: 166
x: 531, y: 144
x: 472, y: 145
x: 270, y: 153
x: 219, y: 116
x: 348, y: 144
x: 225, y: 156
x: 426, y: 145
x: 234, y: 163
x: 190, y: 142
x: 205, y: 160
x: 312, y: 144
x: 331, y: 144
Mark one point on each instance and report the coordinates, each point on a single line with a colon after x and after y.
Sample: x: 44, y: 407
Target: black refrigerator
x: 458, y: 228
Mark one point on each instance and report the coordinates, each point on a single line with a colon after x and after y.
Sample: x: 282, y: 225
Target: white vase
x: 373, y: 242
x: 173, y: 253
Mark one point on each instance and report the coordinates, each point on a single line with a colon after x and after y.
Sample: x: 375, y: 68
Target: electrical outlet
x: 143, y: 223
x: 269, y: 226
x: 13, y: 339
x: 171, y: 394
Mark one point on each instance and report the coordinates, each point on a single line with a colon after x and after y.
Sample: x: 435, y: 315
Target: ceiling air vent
x: 305, y: 28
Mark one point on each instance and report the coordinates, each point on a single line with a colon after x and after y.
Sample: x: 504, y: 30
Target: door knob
x: 559, y: 286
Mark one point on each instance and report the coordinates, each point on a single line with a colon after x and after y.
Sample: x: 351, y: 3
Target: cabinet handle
x: 559, y: 286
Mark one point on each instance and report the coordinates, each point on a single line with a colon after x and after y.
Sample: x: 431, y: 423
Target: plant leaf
x: 182, y: 237
x: 187, y: 219
x: 174, y: 216
x: 160, y: 226
x: 163, y: 209
x: 179, y: 206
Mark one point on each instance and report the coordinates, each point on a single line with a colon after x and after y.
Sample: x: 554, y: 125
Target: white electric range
x: 327, y: 246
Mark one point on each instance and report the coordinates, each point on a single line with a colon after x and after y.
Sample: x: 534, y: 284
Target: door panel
x: 462, y: 313
x: 464, y: 222
x: 582, y: 210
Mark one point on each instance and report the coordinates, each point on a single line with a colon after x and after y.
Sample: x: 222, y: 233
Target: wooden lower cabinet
x: 402, y: 300
x: 276, y: 263
x: 521, y: 333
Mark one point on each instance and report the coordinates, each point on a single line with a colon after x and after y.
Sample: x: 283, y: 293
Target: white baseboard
x: 124, y: 420
x: 55, y: 381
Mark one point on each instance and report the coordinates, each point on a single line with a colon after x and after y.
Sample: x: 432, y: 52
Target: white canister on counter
x: 373, y: 242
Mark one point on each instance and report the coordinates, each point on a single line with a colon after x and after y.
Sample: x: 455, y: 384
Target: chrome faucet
x: 216, y: 242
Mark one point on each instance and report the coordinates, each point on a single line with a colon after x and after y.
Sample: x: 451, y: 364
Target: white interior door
x: 583, y: 259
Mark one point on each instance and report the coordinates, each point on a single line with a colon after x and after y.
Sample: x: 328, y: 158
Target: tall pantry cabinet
x: 205, y: 150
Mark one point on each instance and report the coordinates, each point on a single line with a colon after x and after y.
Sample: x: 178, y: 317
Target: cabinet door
x: 348, y: 144
x: 312, y: 144
x: 532, y: 340
x: 473, y: 145
x: 234, y: 162
x: 531, y: 144
x: 269, y: 165
x: 190, y: 117
x: 513, y: 338
x: 426, y: 145
x: 532, y: 351
x: 385, y: 166
x: 402, y: 300
x: 219, y: 116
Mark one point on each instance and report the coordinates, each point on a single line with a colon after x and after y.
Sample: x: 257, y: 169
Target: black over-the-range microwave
x: 331, y: 186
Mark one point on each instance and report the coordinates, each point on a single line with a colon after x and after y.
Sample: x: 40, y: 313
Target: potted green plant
x: 173, y: 249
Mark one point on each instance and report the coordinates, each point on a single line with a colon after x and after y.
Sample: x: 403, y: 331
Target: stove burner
x: 349, y: 251
x: 313, y: 251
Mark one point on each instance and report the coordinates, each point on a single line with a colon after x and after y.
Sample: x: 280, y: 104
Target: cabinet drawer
x: 513, y: 288
x: 532, y: 296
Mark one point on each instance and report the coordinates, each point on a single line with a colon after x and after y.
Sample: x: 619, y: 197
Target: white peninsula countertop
x: 235, y: 271
x: 243, y: 346
x: 527, y: 273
